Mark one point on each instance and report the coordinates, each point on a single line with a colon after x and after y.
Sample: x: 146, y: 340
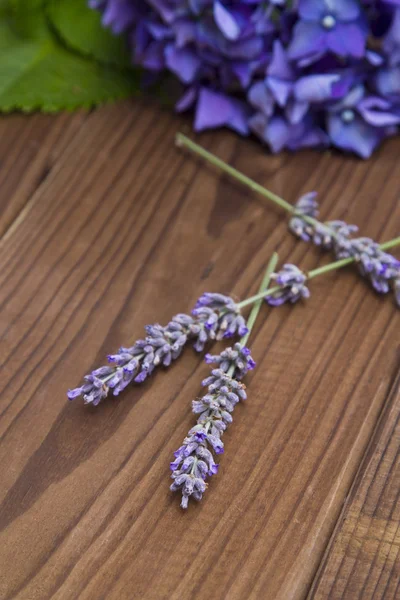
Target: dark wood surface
x: 363, y: 558
x: 106, y: 227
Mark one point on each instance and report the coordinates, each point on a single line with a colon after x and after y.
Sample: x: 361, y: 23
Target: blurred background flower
x: 295, y: 74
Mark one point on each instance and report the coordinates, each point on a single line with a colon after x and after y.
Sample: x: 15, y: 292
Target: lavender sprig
x: 380, y: 267
x: 194, y: 461
x: 214, y: 317
x: 164, y: 344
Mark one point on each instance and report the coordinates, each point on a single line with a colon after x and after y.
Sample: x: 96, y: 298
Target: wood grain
x: 126, y: 230
x: 363, y: 560
x: 29, y: 149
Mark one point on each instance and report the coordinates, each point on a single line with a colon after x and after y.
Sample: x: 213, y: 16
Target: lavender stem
x: 183, y: 142
x: 257, y: 304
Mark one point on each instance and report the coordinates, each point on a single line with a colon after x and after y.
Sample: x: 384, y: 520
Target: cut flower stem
x: 258, y: 303
x: 184, y: 142
x: 273, y: 261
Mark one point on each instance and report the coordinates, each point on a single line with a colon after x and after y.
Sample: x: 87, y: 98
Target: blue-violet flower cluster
x: 296, y: 73
x: 214, y: 317
x: 194, y: 460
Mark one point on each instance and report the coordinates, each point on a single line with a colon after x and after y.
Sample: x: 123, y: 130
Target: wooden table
x: 106, y: 227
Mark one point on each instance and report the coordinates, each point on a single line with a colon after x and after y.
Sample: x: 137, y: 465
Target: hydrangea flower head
x: 288, y: 72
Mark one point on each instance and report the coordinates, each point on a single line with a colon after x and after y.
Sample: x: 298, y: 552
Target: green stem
x: 338, y: 264
x: 257, y: 305
x: 390, y: 244
x: 183, y: 142
x: 258, y: 296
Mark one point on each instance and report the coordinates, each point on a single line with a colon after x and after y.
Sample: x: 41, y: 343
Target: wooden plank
x: 126, y: 230
x: 29, y: 147
x: 363, y: 559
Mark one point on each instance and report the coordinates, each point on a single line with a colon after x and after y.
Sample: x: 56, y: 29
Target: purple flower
x: 387, y: 82
x: 328, y: 25
x: 292, y: 286
x: 391, y: 43
x: 289, y: 89
x: 285, y: 71
x: 278, y: 133
x: 117, y: 15
x: 359, y: 122
x: 215, y: 109
x: 214, y: 317
x: 194, y: 461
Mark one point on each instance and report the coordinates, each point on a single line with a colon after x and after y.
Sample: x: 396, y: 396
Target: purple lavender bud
x: 175, y: 464
x: 214, y: 301
x: 141, y: 377
x: 216, y: 443
x: 214, y: 469
x: 292, y: 286
x: 75, y: 393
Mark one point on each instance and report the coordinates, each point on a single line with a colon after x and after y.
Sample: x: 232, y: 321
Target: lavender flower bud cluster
x: 237, y: 357
x: 306, y: 73
x: 379, y: 267
x: 292, y: 286
x: 214, y: 317
x: 194, y: 460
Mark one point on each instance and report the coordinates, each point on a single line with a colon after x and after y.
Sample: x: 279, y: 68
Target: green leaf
x: 80, y: 28
x: 38, y: 72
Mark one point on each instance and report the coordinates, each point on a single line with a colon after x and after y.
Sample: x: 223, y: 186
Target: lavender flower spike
x: 292, y: 286
x: 194, y: 460
x: 305, y: 206
x: 378, y: 266
x: 214, y: 317
x: 381, y: 268
x: 321, y: 234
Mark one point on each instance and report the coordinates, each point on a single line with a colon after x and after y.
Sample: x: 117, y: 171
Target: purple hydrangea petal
x: 215, y: 109
x: 347, y: 39
x: 183, y: 62
x: 225, y: 21
x: 308, y: 40
x: 357, y: 136
x: 315, y: 88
